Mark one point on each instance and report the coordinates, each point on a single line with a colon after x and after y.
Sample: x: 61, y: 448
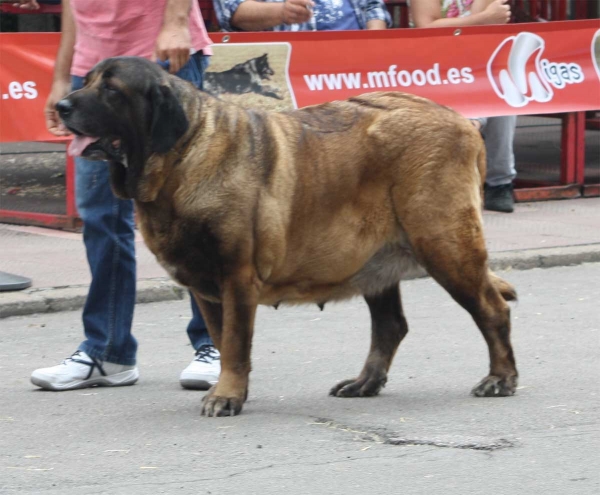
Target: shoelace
x: 207, y: 354
x: 94, y: 364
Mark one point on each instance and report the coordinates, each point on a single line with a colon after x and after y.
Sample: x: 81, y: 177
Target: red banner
x: 479, y: 71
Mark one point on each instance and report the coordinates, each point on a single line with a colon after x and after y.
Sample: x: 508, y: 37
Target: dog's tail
x: 508, y: 291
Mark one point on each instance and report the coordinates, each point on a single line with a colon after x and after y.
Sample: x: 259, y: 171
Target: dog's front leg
x: 213, y: 317
x: 266, y: 90
x: 239, y: 301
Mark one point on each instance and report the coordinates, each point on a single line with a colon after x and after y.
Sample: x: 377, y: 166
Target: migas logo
x: 519, y: 74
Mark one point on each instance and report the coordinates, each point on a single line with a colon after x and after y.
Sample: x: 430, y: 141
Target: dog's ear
x: 169, y: 122
x: 118, y: 180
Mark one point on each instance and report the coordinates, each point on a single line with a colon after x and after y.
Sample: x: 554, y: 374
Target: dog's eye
x: 107, y: 87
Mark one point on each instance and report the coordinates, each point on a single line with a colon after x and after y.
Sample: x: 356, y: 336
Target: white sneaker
x: 203, y: 372
x: 82, y: 371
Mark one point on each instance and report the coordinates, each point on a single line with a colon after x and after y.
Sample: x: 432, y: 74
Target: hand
x: 27, y: 5
x: 476, y: 124
x: 497, y: 12
x: 53, y: 123
x: 297, y: 11
x: 173, y: 44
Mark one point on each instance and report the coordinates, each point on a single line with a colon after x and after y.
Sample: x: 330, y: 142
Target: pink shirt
x: 110, y: 28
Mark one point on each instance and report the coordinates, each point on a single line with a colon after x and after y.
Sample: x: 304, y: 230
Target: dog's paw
x: 359, y: 387
x: 215, y: 405
x: 494, y: 386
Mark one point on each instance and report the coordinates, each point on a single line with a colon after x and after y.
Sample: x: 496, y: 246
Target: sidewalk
x: 541, y: 234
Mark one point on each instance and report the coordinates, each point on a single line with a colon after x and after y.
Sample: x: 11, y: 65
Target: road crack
x: 382, y: 436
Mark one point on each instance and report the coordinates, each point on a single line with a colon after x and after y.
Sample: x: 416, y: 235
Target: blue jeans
x: 109, y: 238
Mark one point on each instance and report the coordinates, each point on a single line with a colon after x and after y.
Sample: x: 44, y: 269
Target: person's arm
x: 174, y: 41
x: 480, y: 5
x: 61, y: 81
x: 255, y: 15
x: 376, y: 24
x: 428, y: 13
x: 27, y: 4
x: 378, y: 16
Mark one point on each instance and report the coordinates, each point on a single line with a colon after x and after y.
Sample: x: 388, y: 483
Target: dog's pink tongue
x: 80, y: 143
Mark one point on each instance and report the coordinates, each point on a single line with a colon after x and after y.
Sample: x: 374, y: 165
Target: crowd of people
x: 174, y: 31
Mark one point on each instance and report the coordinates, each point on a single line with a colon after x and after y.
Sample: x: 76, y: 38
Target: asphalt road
x: 423, y: 435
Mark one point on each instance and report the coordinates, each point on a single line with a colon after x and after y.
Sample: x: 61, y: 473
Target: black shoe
x: 499, y: 198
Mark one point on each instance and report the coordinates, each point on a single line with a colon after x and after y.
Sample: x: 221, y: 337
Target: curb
x: 545, y: 258
x: 72, y: 298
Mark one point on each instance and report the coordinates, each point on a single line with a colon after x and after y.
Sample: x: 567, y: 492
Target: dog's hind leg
x: 452, y: 249
x: 388, y: 328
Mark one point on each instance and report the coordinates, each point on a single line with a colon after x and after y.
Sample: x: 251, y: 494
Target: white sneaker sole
x: 194, y: 382
x: 124, y: 378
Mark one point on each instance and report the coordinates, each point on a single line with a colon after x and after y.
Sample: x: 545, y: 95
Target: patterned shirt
x: 456, y: 8
x: 334, y: 15
x: 364, y: 10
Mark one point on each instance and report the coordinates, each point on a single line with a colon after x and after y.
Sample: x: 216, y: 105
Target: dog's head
x: 263, y: 67
x: 126, y: 112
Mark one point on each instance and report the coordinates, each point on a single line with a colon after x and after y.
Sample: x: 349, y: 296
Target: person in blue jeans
x: 107, y: 356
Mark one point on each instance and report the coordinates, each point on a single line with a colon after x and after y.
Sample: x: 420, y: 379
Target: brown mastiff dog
x: 321, y: 204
